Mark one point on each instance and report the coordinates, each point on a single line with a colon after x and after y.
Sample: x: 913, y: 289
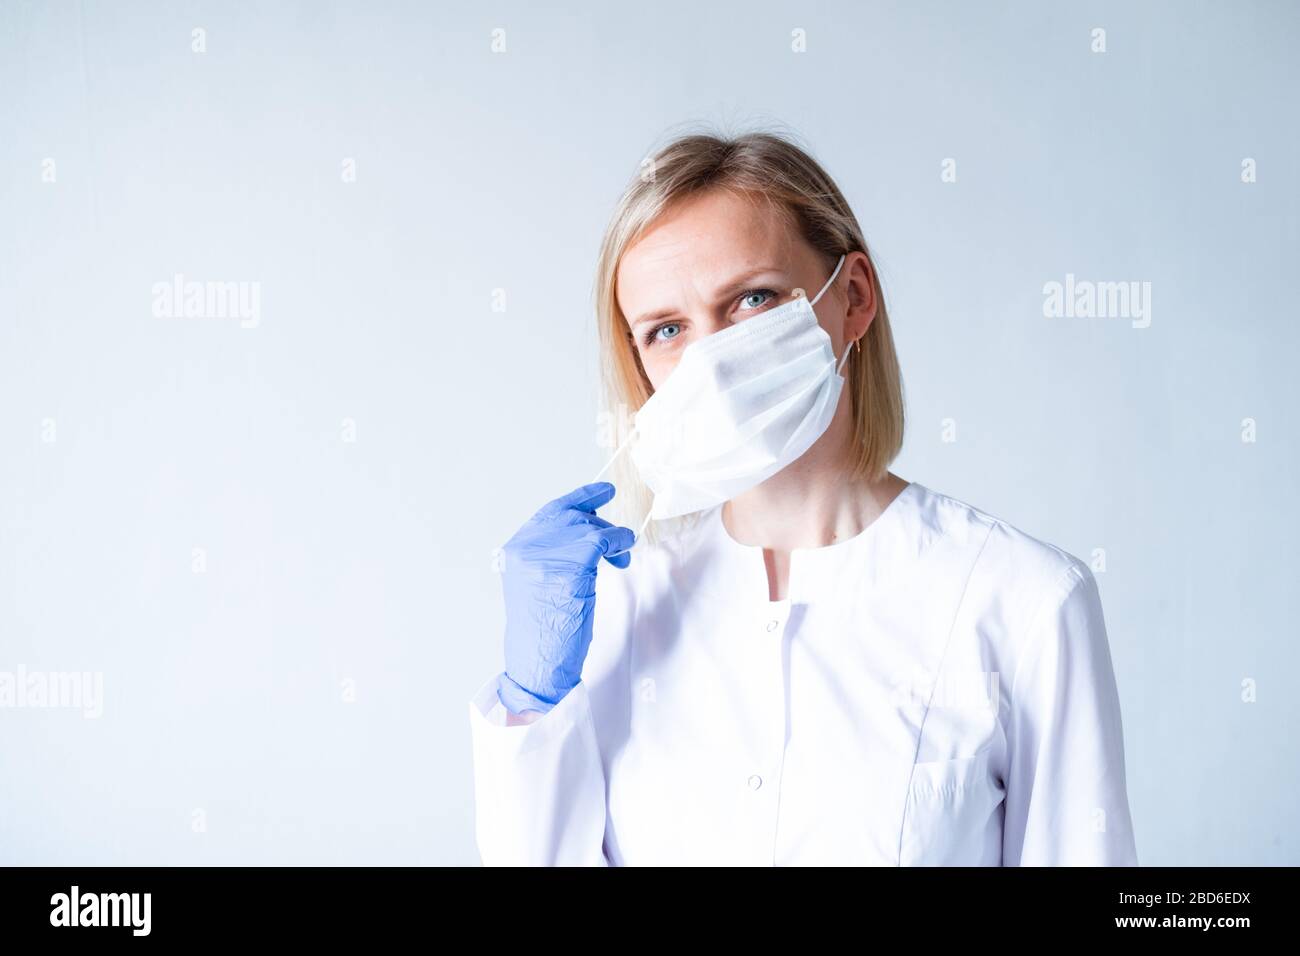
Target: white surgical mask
x: 741, y: 405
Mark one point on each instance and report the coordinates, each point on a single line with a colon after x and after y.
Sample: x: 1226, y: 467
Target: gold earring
x: 858, y: 343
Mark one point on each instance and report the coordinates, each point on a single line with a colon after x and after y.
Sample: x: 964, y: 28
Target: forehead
x: 702, y: 240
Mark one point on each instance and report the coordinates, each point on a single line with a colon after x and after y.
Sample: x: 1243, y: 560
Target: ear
x: 861, y: 290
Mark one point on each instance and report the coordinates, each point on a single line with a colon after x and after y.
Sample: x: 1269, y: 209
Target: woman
x: 805, y: 659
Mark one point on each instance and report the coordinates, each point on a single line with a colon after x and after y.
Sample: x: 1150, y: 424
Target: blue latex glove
x: 548, y: 573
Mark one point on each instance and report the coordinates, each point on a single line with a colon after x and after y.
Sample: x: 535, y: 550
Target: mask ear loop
x: 847, y: 349
x: 626, y: 442
x: 641, y: 530
x: 838, y: 266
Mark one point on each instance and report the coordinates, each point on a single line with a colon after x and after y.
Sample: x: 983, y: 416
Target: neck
x: 810, y: 503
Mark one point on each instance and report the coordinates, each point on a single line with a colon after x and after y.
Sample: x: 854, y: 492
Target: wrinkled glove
x: 548, y: 574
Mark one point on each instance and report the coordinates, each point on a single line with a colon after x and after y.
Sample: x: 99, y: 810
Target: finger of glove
x: 596, y: 521
x: 577, y: 519
x: 616, y: 542
x: 586, y: 498
x: 620, y: 559
x: 582, y: 546
x: 544, y: 534
x: 575, y: 544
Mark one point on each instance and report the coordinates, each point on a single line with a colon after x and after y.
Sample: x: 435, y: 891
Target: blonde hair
x: 770, y: 167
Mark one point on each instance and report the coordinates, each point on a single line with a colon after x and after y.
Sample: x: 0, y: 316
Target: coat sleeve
x: 539, y: 788
x: 1066, y: 793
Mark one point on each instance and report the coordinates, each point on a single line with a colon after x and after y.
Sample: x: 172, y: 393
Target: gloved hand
x: 548, y: 573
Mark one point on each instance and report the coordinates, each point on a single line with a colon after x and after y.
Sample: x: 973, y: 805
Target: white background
x: 369, y: 561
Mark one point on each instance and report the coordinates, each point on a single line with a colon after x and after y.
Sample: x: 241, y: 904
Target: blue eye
x: 768, y: 295
x: 663, y: 333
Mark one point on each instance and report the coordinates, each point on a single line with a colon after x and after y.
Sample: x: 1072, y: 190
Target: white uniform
x: 935, y: 690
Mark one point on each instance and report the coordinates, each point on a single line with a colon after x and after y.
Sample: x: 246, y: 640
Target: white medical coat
x: 936, y: 690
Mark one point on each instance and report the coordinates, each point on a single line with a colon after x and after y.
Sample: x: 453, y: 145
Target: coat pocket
x: 954, y: 813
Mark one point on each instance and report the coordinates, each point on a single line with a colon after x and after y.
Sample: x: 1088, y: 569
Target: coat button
x: 755, y: 782
x: 773, y: 624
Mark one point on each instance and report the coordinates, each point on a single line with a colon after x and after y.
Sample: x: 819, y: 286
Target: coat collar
x: 887, y: 546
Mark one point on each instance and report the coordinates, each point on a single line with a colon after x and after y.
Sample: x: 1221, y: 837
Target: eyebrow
x: 733, y: 287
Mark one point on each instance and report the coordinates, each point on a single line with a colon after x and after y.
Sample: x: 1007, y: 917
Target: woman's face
x: 717, y: 260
